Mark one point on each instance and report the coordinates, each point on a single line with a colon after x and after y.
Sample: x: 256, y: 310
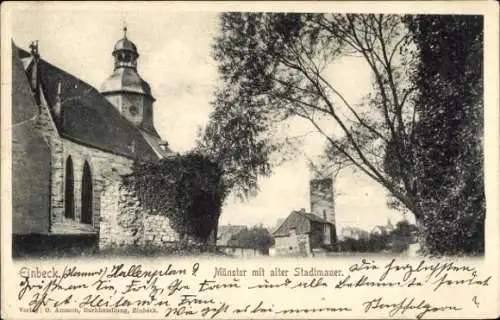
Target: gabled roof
x: 87, y: 117
x: 155, y: 143
x: 300, y: 221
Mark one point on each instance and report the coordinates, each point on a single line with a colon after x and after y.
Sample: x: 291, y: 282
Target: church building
x: 72, y: 144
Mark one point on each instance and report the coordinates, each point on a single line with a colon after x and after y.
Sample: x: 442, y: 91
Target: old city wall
x: 126, y: 224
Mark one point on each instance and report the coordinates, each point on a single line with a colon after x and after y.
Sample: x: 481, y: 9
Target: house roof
x: 87, y: 117
x: 224, y: 233
x: 300, y: 221
x: 383, y: 229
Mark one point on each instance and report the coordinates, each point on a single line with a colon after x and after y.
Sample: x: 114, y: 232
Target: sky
x: 175, y: 59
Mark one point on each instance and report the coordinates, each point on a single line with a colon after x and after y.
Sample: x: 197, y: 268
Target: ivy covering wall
x: 187, y: 188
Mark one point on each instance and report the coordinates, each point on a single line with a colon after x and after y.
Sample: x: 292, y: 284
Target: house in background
x: 226, y: 232
x: 230, y: 246
x: 309, y: 233
x: 383, y: 230
x: 355, y: 233
x: 304, y: 234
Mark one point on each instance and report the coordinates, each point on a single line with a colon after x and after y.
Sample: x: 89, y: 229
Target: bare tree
x: 276, y: 66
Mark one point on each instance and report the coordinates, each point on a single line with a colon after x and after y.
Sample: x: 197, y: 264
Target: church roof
x: 300, y: 221
x: 87, y: 117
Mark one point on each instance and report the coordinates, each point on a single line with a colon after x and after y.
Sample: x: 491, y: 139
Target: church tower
x: 126, y: 90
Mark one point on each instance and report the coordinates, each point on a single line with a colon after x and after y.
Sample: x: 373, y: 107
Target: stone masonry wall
x: 293, y: 245
x: 104, y: 168
x: 157, y: 231
x: 118, y: 218
x: 322, y: 198
x: 126, y: 224
x: 46, y: 125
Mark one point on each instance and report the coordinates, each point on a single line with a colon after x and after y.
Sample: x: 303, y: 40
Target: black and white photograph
x: 247, y: 134
x: 249, y: 160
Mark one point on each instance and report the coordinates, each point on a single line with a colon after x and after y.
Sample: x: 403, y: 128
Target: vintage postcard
x: 250, y: 160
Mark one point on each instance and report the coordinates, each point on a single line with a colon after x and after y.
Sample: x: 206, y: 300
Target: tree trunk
x: 420, y: 235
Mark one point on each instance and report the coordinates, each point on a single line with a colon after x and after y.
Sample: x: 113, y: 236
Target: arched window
x: 86, y: 194
x: 69, y: 189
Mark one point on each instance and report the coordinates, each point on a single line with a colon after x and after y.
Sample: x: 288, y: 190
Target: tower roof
x: 125, y: 80
x: 125, y: 77
x: 125, y: 44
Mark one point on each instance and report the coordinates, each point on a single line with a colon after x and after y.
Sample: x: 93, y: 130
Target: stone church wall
x: 106, y: 171
x: 117, y: 217
x: 30, y: 181
x: 48, y: 129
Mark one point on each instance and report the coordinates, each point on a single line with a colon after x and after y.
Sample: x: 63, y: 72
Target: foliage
x: 277, y: 66
x: 186, y: 188
x: 448, y: 156
x: 395, y: 241
x: 256, y: 238
x: 374, y: 243
x: 404, y: 229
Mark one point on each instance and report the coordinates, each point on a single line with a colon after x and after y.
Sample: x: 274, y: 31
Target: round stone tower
x: 322, y: 194
x: 126, y: 90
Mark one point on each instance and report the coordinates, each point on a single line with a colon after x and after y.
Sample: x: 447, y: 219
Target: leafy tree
x: 275, y: 66
x: 404, y: 229
x: 256, y: 238
x: 378, y: 242
x: 186, y: 188
x: 448, y: 156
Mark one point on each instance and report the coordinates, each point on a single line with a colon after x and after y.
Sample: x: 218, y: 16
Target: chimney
x: 35, y: 76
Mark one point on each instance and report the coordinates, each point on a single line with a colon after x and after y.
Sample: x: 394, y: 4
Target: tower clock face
x: 133, y: 110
